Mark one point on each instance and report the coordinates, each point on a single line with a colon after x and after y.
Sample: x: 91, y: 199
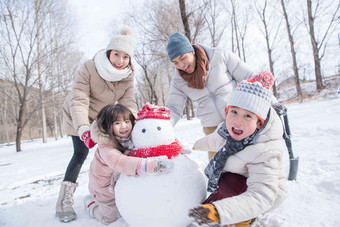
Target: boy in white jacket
x: 246, y: 175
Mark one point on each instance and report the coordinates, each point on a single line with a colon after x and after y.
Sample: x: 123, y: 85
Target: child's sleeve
x: 260, y: 195
x: 118, y: 161
x: 211, y: 142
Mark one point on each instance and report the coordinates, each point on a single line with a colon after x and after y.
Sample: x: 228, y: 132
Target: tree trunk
x: 5, y: 120
x: 41, y: 85
x: 292, y: 50
x: 317, y: 67
x: 185, y: 20
x: 19, y: 128
x: 59, y: 124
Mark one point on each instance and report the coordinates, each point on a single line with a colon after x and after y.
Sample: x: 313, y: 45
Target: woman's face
x: 122, y: 127
x: 241, y: 123
x: 185, y: 62
x: 119, y: 59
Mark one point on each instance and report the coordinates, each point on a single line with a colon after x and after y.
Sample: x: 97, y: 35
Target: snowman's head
x: 153, y: 127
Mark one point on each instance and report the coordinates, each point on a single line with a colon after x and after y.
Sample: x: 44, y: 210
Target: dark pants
x: 80, y: 152
x: 230, y: 184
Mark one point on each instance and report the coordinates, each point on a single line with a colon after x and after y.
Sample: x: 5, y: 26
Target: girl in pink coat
x: 112, y: 132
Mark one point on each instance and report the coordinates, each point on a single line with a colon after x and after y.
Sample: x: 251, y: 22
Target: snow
x: 30, y: 180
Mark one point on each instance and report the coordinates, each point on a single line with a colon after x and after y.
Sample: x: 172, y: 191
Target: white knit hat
x: 123, y: 41
x: 251, y: 95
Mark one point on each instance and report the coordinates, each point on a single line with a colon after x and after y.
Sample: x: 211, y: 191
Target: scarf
x: 125, y: 142
x: 170, y: 150
x: 215, y: 167
x: 107, y: 71
x: 199, y: 77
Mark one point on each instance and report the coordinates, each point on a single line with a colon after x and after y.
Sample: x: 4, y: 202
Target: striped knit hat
x: 254, y: 95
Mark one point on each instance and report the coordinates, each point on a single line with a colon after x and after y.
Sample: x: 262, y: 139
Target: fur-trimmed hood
x: 98, y: 136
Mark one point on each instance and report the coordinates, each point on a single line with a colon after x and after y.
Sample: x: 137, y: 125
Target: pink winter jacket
x: 107, y: 162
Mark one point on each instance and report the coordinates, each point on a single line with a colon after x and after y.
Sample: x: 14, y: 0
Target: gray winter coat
x: 225, y: 71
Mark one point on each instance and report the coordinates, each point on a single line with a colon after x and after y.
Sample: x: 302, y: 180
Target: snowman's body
x: 160, y: 199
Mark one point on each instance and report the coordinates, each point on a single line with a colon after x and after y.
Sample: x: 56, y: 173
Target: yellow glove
x: 205, y: 214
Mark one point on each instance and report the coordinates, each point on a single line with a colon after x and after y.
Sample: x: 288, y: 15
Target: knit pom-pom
x: 126, y: 30
x: 265, y: 78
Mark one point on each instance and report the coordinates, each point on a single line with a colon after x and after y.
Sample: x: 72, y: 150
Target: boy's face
x: 241, y: 123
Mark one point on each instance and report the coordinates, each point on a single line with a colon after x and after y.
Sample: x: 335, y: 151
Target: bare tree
x: 20, y: 61
x: 23, y: 54
x: 39, y: 17
x: 319, y: 44
x: 185, y: 21
x: 270, y: 34
x: 293, y: 52
x: 239, y: 19
x: 211, y: 18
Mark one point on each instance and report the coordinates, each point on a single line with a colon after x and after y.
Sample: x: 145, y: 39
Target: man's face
x: 185, y: 62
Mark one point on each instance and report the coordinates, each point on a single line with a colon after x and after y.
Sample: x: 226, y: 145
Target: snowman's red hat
x: 152, y: 111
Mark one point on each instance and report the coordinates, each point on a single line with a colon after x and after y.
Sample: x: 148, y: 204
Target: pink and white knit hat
x: 253, y: 94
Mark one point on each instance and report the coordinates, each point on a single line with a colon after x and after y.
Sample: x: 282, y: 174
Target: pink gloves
x: 159, y: 164
x: 85, y: 135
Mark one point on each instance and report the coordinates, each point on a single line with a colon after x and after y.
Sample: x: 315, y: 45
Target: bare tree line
x: 37, y: 65
x: 282, y: 24
x: 38, y: 59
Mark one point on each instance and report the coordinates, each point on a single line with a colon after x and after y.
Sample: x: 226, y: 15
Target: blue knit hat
x: 178, y: 44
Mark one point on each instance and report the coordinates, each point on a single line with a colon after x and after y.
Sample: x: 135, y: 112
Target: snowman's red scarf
x: 170, y: 150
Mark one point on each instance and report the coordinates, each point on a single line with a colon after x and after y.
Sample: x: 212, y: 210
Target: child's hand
x: 159, y: 164
x: 205, y: 214
x: 164, y: 165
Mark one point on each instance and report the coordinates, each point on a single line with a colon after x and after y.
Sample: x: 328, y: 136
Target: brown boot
x: 64, y: 210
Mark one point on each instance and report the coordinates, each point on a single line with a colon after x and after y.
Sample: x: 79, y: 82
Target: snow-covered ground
x: 30, y: 180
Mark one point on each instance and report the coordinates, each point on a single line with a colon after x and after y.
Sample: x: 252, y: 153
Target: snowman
x: 159, y: 199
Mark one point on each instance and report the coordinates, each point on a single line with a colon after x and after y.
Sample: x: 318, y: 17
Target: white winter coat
x: 262, y: 164
x: 226, y: 70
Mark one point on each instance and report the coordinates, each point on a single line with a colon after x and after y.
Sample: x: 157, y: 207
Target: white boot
x: 64, y: 210
x: 89, y: 204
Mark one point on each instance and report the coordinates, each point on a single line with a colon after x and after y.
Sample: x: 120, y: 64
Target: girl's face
x: 241, y: 123
x: 185, y: 62
x: 119, y: 59
x: 122, y: 127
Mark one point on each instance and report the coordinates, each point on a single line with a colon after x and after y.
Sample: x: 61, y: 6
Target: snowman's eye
x: 143, y: 130
x: 159, y: 128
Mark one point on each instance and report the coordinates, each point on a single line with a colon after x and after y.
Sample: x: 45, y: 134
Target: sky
x: 94, y: 19
x: 30, y: 180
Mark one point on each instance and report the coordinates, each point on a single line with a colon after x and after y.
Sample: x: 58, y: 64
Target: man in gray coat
x: 205, y: 75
